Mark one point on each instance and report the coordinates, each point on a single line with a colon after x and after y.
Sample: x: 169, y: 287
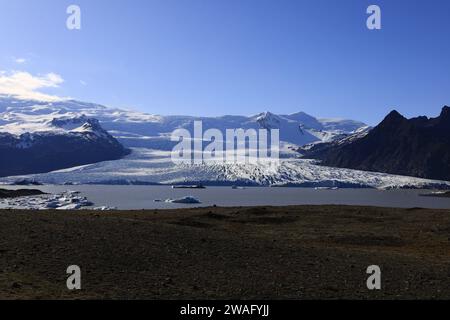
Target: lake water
x: 143, y: 197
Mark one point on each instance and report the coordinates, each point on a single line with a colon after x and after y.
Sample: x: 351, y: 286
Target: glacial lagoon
x: 154, y: 197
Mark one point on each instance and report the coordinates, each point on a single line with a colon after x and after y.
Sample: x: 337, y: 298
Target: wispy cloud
x: 24, y: 85
x: 20, y: 60
x: 83, y: 83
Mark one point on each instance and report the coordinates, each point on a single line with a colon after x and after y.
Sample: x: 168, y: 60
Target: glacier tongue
x: 145, y: 166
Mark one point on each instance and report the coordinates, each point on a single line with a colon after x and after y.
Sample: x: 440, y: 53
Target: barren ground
x: 305, y: 252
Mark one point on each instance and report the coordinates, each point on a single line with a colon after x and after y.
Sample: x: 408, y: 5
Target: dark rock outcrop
x: 417, y: 147
x: 4, y: 193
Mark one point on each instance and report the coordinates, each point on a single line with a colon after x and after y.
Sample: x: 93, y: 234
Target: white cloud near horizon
x: 24, y: 85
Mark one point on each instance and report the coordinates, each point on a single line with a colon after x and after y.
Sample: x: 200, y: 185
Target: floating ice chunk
x: 105, y: 208
x: 73, y: 206
x: 53, y: 204
x: 188, y: 200
x: 69, y: 200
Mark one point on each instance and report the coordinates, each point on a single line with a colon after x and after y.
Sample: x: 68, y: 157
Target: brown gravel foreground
x: 304, y: 252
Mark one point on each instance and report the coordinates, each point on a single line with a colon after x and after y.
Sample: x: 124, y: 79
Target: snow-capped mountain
x: 33, y: 147
x: 136, y: 129
x: 325, y: 146
x: 148, y: 136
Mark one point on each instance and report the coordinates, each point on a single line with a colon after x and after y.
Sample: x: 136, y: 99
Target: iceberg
x: 187, y: 200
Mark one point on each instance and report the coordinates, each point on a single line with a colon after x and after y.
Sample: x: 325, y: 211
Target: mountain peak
x: 266, y: 114
x: 445, y: 112
x: 268, y: 120
x: 395, y: 116
x: 300, y: 113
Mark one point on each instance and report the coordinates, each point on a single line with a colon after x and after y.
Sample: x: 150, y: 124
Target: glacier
x: 147, y: 166
x: 148, y: 137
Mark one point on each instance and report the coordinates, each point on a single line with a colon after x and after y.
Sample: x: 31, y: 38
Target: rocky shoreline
x: 29, y: 199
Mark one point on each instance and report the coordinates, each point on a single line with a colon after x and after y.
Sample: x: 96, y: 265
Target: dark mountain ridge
x: 417, y: 147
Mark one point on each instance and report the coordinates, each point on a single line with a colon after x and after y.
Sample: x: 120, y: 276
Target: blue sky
x: 215, y: 57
